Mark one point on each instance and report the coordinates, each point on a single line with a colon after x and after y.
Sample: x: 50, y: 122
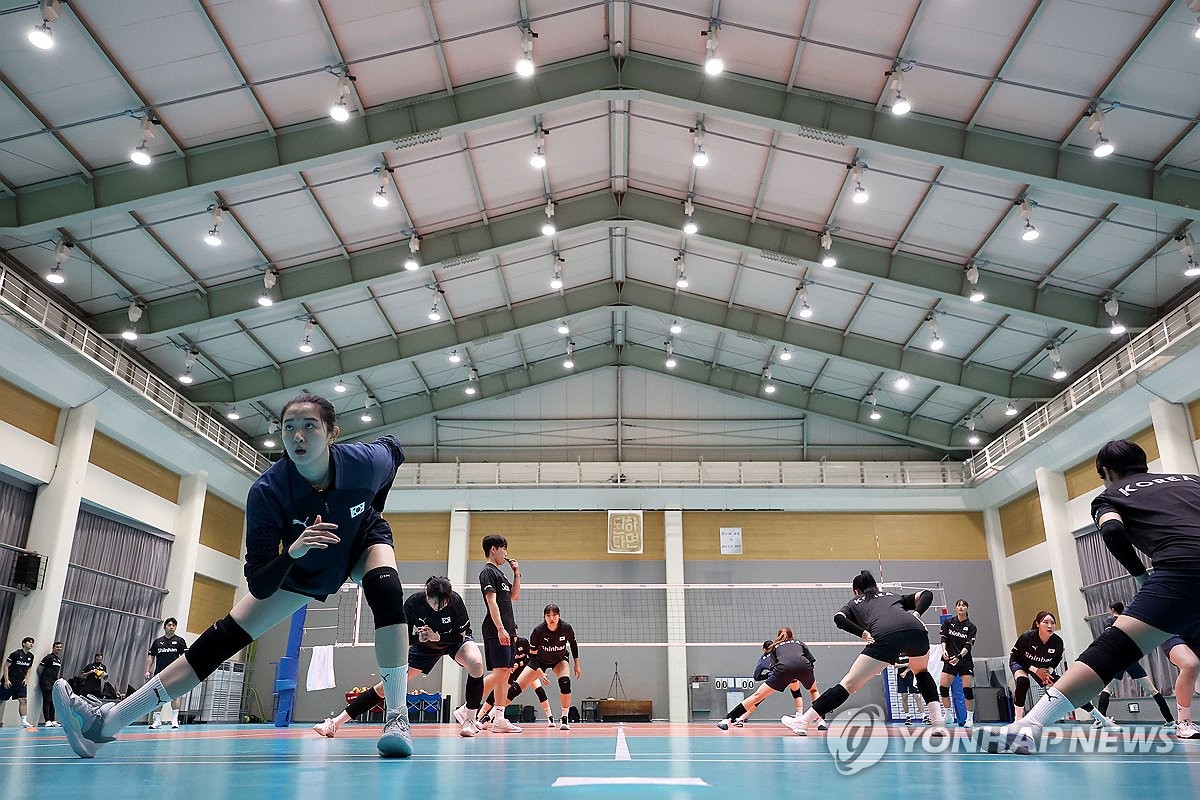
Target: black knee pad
x: 927, y: 686
x: 944, y: 691
x: 969, y: 692
x: 1022, y: 691
x: 1111, y: 652
x: 797, y: 692
x: 223, y: 638
x: 564, y: 684
x: 385, y: 596
x: 830, y: 700
x: 541, y: 695
x: 514, y: 689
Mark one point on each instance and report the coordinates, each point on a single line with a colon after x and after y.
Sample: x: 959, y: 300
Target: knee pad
x: 831, y: 700
x: 564, y: 684
x: 513, y: 690
x: 381, y: 587
x: 927, y: 686
x: 541, y: 695
x: 223, y: 638
x: 944, y: 691
x: 798, y: 692
x: 969, y: 692
x: 1111, y: 652
x: 1021, y: 692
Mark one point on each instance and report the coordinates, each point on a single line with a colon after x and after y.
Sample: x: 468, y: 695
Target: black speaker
x: 25, y: 571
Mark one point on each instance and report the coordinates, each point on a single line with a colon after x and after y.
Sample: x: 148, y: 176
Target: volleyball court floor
x: 599, y: 760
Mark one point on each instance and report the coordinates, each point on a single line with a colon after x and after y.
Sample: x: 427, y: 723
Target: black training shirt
x: 493, y: 579
x: 549, y: 647
x: 1030, y: 651
x: 165, y: 650
x: 51, y: 668
x: 958, y: 634
x: 451, y: 623
x: 882, y: 613
x: 1161, y: 515
x: 19, y: 663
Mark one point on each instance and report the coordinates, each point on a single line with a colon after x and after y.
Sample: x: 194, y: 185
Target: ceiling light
x: 1103, y: 147
x: 306, y: 344
x: 768, y: 387
x: 454, y: 357
x: 713, y: 65
x: 875, y: 415
x: 435, y: 313
x: 366, y: 415
x: 1029, y: 233
x: 973, y: 438
x: 556, y: 282
x: 269, y: 442
x: 55, y: 275
x: 681, y: 280
x: 141, y: 154
x: 525, y: 67
x: 1187, y: 246
x: 213, y: 237
x: 265, y: 300
x: 806, y: 311
x: 412, y: 263
x: 786, y: 355
x: 233, y: 414
x: 188, y: 361
x: 62, y: 252
x: 699, y: 157
x: 568, y: 362
x: 676, y: 328
x: 900, y: 104
x: 860, y: 195
x: 1192, y: 269
x: 380, y: 198
x: 472, y: 380
x: 41, y: 36
x: 538, y: 159
x: 548, y: 228
x: 1112, y: 307
x: 130, y: 333
x: 670, y: 363
x: 935, y: 341
x: 1056, y: 360
x: 564, y: 329
x: 340, y: 387
x: 340, y: 111
x: 135, y: 310
x: 1010, y: 410
x: 975, y: 295
x: 1196, y: 33
x: 902, y: 383
x: 689, y: 226
x: 827, y: 259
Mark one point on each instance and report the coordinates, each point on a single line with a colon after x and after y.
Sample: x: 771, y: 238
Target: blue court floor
x: 592, y: 760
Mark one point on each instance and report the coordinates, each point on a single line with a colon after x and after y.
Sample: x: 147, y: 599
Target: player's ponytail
x: 864, y: 582
x: 785, y: 634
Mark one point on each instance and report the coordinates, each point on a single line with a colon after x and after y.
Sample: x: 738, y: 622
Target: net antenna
x: 615, y: 686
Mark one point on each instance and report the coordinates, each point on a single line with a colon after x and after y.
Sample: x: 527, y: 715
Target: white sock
x: 1096, y: 715
x: 1185, y: 712
x: 156, y: 719
x: 25, y: 721
x: 809, y: 717
x: 970, y: 717
x: 936, y: 717
x: 395, y: 688
x: 1052, y: 707
x: 135, y: 706
x: 174, y: 716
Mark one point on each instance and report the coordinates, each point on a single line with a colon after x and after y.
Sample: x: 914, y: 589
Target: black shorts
x: 780, y: 679
x: 965, y: 666
x: 1175, y: 641
x: 425, y: 659
x: 889, y: 647
x: 496, y: 655
x: 1134, y: 670
x: 1013, y: 666
x: 16, y: 691
x: 332, y: 578
x: 905, y: 682
x: 1167, y: 601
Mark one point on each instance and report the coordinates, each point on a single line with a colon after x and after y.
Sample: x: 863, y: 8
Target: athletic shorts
x: 1134, y: 670
x: 889, y: 647
x: 906, y: 682
x: 1033, y: 676
x: 1175, y: 641
x: 425, y: 659
x: 496, y: 655
x: 965, y: 666
x: 16, y: 691
x: 1168, y: 601
x: 332, y: 578
x: 782, y: 678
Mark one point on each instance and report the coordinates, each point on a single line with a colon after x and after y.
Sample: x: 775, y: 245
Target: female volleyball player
x: 438, y: 625
x: 958, y: 637
x: 1160, y: 516
x: 520, y: 659
x: 891, y: 626
x: 312, y: 519
x: 788, y: 664
x: 1035, y: 655
x: 548, y: 646
x: 1138, y: 673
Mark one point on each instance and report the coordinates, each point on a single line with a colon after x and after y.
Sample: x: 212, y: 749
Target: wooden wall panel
x: 27, y: 412
x: 211, y: 600
x: 222, y: 526
x: 563, y: 536
x: 1082, y: 478
x: 112, y: 456
x: 1146, y: 440
x: 421, y: 537
x: 821, y: 537
x: 1031, y: 596
x: 1022, y: 524
x: 1193, y: 409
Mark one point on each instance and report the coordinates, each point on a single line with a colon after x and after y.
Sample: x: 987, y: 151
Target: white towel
x: 320, y: 669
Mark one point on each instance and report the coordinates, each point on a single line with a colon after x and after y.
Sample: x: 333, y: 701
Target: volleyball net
x: 653, y: 615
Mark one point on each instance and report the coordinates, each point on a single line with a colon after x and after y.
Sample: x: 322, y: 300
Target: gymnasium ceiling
x: 238, y: 96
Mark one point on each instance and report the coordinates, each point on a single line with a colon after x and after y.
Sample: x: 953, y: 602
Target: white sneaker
x: 970, y: 723
x: 822, y: 725
x: 723, y: 724
x: 795, y: 725
x: 328, y: 728
x: 503, y: 725
x: 462, y: 715
x: 174, y: 724
x: 1186, y: 730
x: 737, y: 723
x: 469, y: 729
x: 1111, y: 726
x: 550, y: 721
x: 1097, y: 724
x: 563, y: 725
x: 155, y: 725
x: 939, y: 731
x: 1168, y: 726
x: 83, y: 723
x: 396, y: 741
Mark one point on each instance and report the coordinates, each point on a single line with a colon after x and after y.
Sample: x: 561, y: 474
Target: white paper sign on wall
x: 731, y: 541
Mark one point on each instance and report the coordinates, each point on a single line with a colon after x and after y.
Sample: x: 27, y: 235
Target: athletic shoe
x: 795, y: 725
x: 563, y: 725
x: 484, y: 723
x: 970, y: 723
x: 1186, y: 730
x: 822, y: 725
x: 328, y: 728
x: 48, y: 724
x: 926, y: 719
x: 82, y: 722
x: 551, y: 723
x: 1110, y: 726
x: 155, y: 725
x: 503, y: 725
x: 396, y: 741
x: 462, y: 715
x: 1168, y: 726
x: 939, y: 731
x: 737, y: 723
x: 908, y: 722
x: 469, y: 729
x: 174, y: 724
x: 1097, y: 724
x: 723, y: 724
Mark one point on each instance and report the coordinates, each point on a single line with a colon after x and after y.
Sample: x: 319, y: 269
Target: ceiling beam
x: 1004, y: 156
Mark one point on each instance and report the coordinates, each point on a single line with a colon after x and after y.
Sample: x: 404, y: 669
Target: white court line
x: 629, y: 782
x: 622, y: 746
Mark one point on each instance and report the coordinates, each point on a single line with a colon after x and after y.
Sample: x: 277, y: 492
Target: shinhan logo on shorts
x: 862, y: 740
